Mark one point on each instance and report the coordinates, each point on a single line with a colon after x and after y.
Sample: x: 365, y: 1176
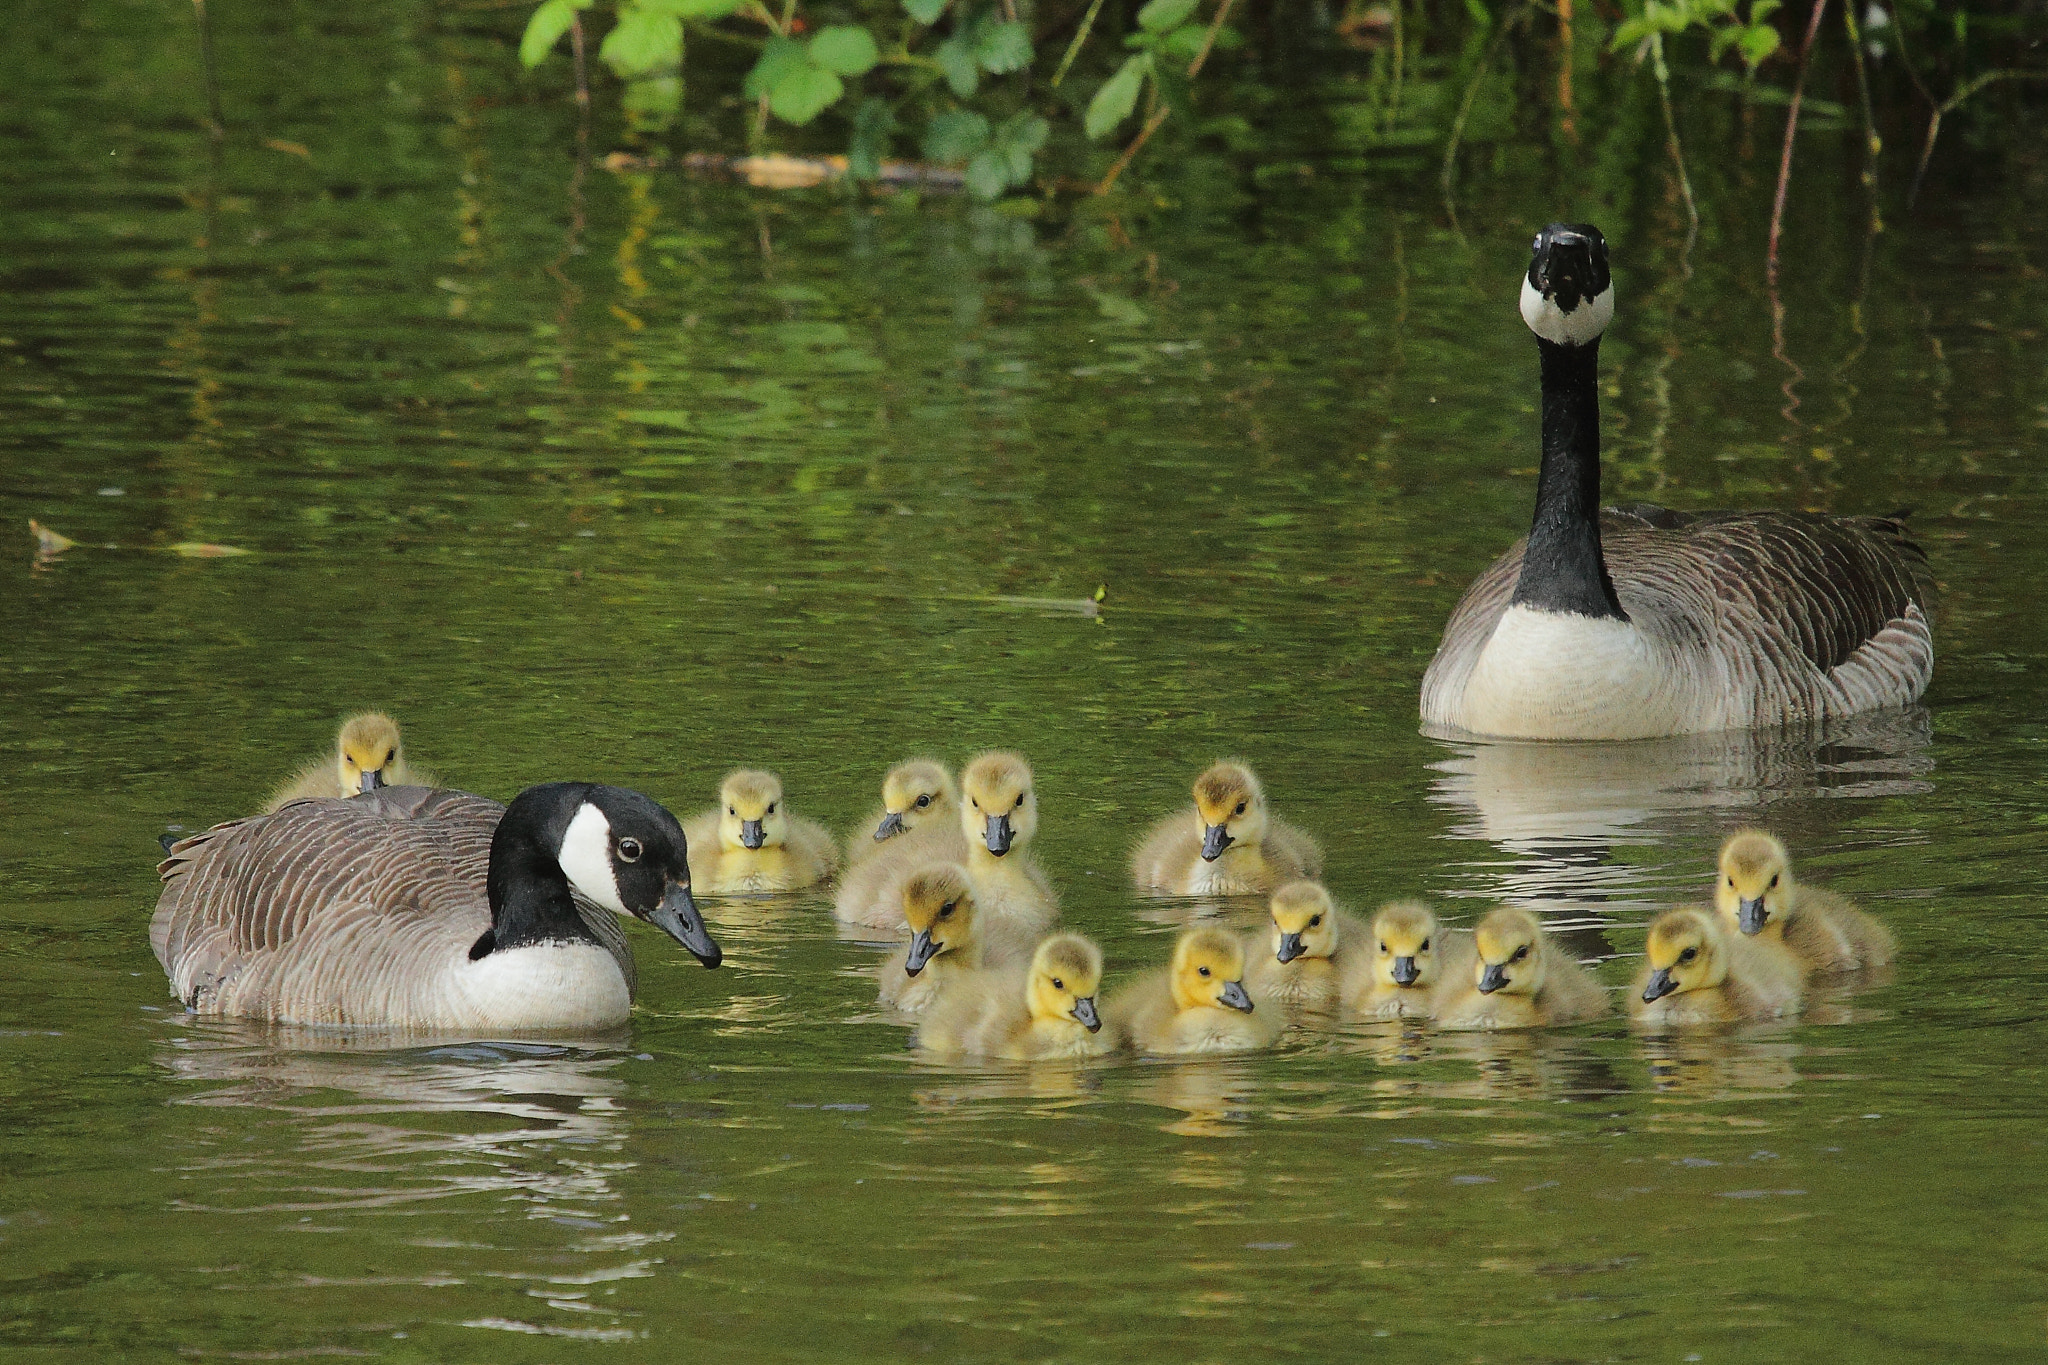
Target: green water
x: 638, y: 477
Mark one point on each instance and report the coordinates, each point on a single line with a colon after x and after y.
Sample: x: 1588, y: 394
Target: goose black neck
x: 529, y: 894
x: 1563, y: 568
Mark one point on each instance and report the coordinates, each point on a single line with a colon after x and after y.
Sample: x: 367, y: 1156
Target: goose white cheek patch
x: 586, y: 858
x: 1575, y: 328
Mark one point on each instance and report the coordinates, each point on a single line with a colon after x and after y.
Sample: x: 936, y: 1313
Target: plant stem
x: 1791, y: 131
x: 1080, y: 37
x: 1151, y: 126
x: 1948, y: 106
x: 1872, y: 143
x: 582, y: 69
x: 1208, y: 40
x: 1400, y: 61
x: 1465, y: 107
x: 1663, y: 75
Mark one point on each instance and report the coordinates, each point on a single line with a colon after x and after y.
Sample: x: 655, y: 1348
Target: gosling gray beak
x: 677, y: 916
x: 1750, y: 915
x: 922, y: 950
x: 1406, y: 973
x: 998, y: 835
x: 1234, y: 996
x: 373, y: 778
x: 1658, y: 986
x: 1084, y: 1014
x: 751, y: 833
x: 1215, y: 838
x: 892, y: 824
x: 1493, y: 978
x: 1290, y: 947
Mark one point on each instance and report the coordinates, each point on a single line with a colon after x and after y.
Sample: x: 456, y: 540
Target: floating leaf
x: 48, y: 542
x: 546, y: 28
x: 1003, y: 47
x: 1162, y: 16
x: 804, y: 93
x: 1118, y: 96
x: 846, y: 49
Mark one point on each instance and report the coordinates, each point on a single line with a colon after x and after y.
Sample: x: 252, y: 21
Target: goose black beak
x: 922, y: 950
x: 1406, y: 973
x: 998, y: 835
x: 1215, y: 838
x: 678, y: 917
x: 1493, y: 978
x: 1234, y: 996
x: 373, y: 778
x: 1750, y: 915
x: 1085, y: 1015
x: 1658, y: 986
x: 1290, y: 947
x: 1568, y: 264
x: 751, y: 833
x: 892, y: 824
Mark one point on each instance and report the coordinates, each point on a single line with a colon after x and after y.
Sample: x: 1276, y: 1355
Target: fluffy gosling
x: 1198, y: 1003
x: 918, y: 797
x: 368, y: 754
x: 1049, y: 1011
x: 1696, y: 972
x: 1757, y: 896
x: 999, y: 819
x: 1520, y: 979
x: 1409, y: 965
x: 948, y: 938
x: 1229, y: 844
x: 751, y: 843
x: 1301, y: 963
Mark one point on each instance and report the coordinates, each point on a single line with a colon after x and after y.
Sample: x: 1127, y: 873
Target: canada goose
x: 751, y: 843
x: 415, y: 909
x: 1046, y: 1011
x: 367, y: 755
x: 1642, y: 621
x: 1197, y: 1003
x: 1695, y: 971
x: 1227, y: 845
x: 1520, y: 979
x: 948, y: 937
x: 1757, y: 896
x: 1300, y: 964
x: 916, y: 795
x: 1408, y: 964
x: 1000, y: 819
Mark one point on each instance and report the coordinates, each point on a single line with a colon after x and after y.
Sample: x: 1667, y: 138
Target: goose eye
x: 946, y: 912
x: 1731, y: 881
x: 923, y: 801
x: 388, y: 758
x: 1058, y: 984
x: 1774, y: 881
x: 1313, y: 922
x: 1520, y: 953
x: 1424, y: 948
x: 1383, y: 948
x: 1203, y: 970
x: 629, y: 850
x: 1688, y: 955
x: 729, y: 810
x: 1240, y: 808
x: 1020, y: 799
x: 771, y: 808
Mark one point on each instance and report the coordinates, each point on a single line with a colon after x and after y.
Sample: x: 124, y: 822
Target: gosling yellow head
x: 1066, y: 973
x: 1510, y: 945
x: 1405, y: 946
x: 1232, y: 808
x: 1304, y: 922
x: 368, y: 752
x: 938, y: 905
x: 1002, y: 807
x: 1208, y: 970
x: 750, y: 811
x: 913, y: 794
x: 1756, y: 882
x: 1685, y: 953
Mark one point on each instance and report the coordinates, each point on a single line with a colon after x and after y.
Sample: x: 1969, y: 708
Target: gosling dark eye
x: 1688, y: 955
x: 1315, y: 921
x: 629, y: 850
x: 923, y: 801
x: 1058, y: 984
x: 388, y: 759
x: 1203, y: 970
x: 1774, y: 882
x: 1240, y: 808
x: 1424, y: 948
x: 771, y: 809
x: 731, y: 811
x: 947, y: 912
x: 1020, y: 799
x: 1383, y: 947
x: 1520, y: 953
x: 1731, y: 882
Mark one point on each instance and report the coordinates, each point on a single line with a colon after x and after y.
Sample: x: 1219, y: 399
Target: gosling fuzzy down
x: 1520, y: 979
x: 1197, y: 1003
x: 1407, y: 966
x: 368, y: 754
x: 919, y: 801
x: 948, y: 939
x: 1758, y: 898
x: 1228, y: 844
x: 1044, y: 1012
x: 1696, y: 971
x: 999, y: 818
x: 752, y: 844
x: 1299, y: 963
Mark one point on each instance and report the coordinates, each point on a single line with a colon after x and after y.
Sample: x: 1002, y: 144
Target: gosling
x: 947, y: 939
x: 918, y: 799
x: 1229, y: 844
x: 1000, y: 819
x: 1198, y: 1003
x: 368, y: 754
x: 1697, y: 972
x: 1301, y: 964
x: 1047, y: 1012
x: 1757, y: 896
x: 1520, y: 979
x: 1409, y: 965
x: 752, y: 844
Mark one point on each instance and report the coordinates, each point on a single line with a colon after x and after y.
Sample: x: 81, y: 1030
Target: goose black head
x: 1568, y: 294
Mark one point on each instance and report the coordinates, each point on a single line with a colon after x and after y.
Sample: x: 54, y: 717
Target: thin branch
x: 1208, y: 40
x: 582, y: 68
x: 1692, y: 211
x: 1948, y: 106
x: 1144, y: 135
x: 1905, y: 60
x: 1465, y: 107
x: 1791, y: 131
x: 1074, y: 48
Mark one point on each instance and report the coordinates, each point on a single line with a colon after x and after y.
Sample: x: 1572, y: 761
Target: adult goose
x: 1641, y: 621
x: 411, y: 908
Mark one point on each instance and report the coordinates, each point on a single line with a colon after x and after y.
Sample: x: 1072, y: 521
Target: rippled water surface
x: 631, y: 476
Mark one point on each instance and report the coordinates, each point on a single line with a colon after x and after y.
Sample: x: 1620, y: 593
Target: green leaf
x: 1760, y: 10
x: 1758, y: 43
x: 846, y: 49
x: 692, y: 9
x: 1162, y: 16
x: 956, y: 59
x: 546, y: 28
x: 988, y: 175
x: 1479, y: 13
x: 1629, y: 33
x: 1118, y: 96
x: 1016, y: 139
x: 926, y: 12
x: 1003, y: 47
x: 955, y: 136
x: 873, y: 123
x: 642, y: 43
x: 1184, y: 42
x: 780, y: 57
x: 804, y: 93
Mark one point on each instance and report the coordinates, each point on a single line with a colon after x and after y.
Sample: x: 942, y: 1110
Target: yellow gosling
x: 1696, y: 972
x: 1520, y: 979
x: 1229, y: 844
x: 948, y: 937
x: 751, y: 843
x: 368, y: 754
x: 918, y: 796
x: 1410, y: 964
x: 1048, y: 1011
x: 1198, y: 1003
x: 1300, y: 963
x: 1757, y: 897
x: 999, y: 818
